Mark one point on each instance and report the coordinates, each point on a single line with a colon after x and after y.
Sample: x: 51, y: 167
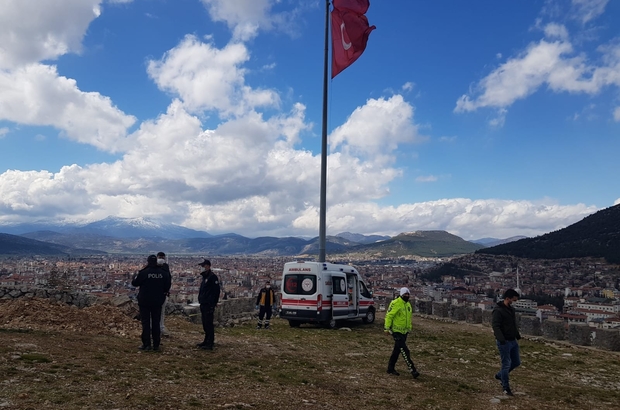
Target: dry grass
x: 288, y: 368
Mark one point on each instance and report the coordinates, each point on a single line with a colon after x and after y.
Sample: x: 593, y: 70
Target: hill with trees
x: 596, y: 236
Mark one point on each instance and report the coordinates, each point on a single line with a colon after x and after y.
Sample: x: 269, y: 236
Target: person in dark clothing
x: 506, y: 333
x: 208, y: 296
x: 154, y: 283
x: 161, y: 262
x: 265, y: 303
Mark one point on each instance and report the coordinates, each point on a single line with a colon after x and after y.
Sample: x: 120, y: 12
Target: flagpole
x: 323, y: 202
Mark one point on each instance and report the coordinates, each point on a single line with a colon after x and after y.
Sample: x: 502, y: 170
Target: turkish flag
x: 350, y: 31
x: 356, y: 6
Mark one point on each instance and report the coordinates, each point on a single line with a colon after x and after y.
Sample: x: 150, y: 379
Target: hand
x: 256, y: 307
x: 387, y: 331
x: 274, y: 307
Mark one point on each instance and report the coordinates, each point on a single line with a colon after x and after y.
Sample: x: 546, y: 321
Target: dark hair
x: 163, y: 255
x: 511, y: 293
x: 151, y: 260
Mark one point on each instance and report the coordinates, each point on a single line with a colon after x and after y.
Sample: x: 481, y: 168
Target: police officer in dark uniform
x: 208, y: 296
x: 154, y: 283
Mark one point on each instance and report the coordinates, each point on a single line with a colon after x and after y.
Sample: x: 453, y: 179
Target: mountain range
x: 142, y: 235
x: 597, y: 235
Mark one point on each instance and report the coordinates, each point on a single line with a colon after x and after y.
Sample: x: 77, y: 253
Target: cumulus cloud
x: 34, y: 31
x: 27, y: 96
x: 367, y: 133
x: 617, y: 114
x: 247, y: 18
x: 3, y: 131
x: 551, y: 63
x: 207, y: 78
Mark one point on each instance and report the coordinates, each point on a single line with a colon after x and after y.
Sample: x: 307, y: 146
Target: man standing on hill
x: 208, y: 296
x: 398, y: 324
x: 161, y: 262
x: 265, y: 301
x: 506, y: 334
x: 154, y: 283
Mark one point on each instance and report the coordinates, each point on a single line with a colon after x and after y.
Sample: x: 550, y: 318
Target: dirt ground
x: 53, y: 356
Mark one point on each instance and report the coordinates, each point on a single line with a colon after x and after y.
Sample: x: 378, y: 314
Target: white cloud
x: 544, y: 63
x: 587, y: 10
x: 34, y: 30
x: 408, y: 86
x: 37, y: 95
x: 245, y: 18
x: 208, y: 78
x: 377, y: 128
x: 554, y: 30
x: 617, y: 114
x: 3, y: 132
x: 427, y: 178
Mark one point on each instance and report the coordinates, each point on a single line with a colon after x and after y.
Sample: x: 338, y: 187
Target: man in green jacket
x: 398, y: 324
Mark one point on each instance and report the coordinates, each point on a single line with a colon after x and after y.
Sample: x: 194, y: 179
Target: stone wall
x: 553, y: 329
x: 580, y: 335
x: 607, y: 339
x: 530, y: 326
x: 228, y: 313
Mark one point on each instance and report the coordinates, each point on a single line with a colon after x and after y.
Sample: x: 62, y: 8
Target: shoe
x: 156, y: 348
x: 206, y: 347
x: 508, y: 392
x: 498, y: 377
x: 393, y: 372
x: 415, y: 374
x: 201, y: 344
x: 267, y: 327
x: 144, y: 347
x: 259, y: 327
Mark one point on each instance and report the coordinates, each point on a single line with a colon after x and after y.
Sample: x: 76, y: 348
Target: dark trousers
x: 400, y: 348
x: 264, y: 310
x: 150, y: 315
x: 207, y: 324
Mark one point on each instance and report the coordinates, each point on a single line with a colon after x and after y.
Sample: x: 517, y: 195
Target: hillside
x: 597, y: 236
x: 420, y: 243
x: 58, y: 360
x: 14, y: 245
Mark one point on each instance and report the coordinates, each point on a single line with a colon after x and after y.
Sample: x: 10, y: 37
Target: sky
x: 482, y: 118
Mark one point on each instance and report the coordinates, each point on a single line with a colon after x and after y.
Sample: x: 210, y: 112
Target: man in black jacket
x: 506, y: 334
x: 208, y: 296
x: 154, y: 283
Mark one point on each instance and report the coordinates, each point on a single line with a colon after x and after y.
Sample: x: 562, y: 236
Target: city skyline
x: 481, y: 119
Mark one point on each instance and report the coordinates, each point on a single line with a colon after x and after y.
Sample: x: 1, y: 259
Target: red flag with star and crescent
x: 350, y: 31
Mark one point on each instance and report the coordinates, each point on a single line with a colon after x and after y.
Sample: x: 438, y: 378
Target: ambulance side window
x: 339, y: 286
x: 300, y: 284
x: 365, y: 291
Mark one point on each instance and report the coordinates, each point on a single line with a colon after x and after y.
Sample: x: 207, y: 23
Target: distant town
x: 580, y: 290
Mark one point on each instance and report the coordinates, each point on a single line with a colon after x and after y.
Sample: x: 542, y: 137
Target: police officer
x: 208, y: 296
x: 154, y: 283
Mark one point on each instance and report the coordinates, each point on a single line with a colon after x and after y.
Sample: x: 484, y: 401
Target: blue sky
x: 482, y: 118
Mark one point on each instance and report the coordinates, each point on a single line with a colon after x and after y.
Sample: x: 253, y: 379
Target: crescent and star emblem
x: 345, y: 45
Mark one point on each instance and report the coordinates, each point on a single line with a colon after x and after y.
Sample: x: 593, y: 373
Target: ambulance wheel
x: 331, y: 324
x: 294, y: 323
x: 370, y: 316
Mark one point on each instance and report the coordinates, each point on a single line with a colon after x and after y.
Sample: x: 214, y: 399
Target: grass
x: 288, y: 368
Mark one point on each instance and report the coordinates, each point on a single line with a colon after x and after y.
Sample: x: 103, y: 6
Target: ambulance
x: 324, y: 293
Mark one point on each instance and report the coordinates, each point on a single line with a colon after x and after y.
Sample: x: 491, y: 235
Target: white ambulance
x: 324, y: 293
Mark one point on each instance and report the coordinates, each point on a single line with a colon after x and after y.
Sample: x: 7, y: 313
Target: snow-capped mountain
x: 114, y: 227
